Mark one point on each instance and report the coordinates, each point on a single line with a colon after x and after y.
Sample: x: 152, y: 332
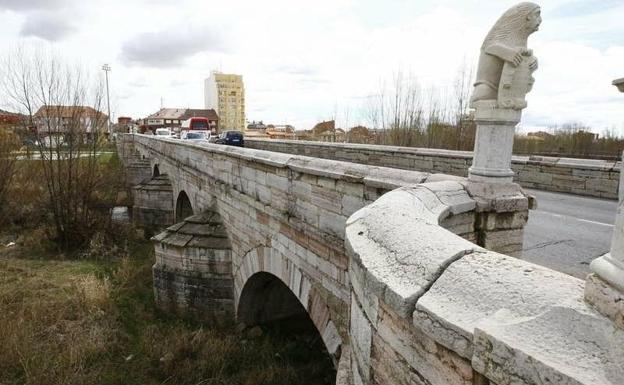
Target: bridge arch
x: 269, y: 287
x: 183, y: 207
x: 265, y: 298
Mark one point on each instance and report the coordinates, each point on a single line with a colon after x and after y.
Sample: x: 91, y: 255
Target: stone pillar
x: 493, y: 143
x: 604, y: 287
x: 193, y: 269
x: 153, y: 204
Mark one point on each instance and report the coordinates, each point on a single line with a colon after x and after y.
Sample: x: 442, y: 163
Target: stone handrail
x: 375, y: 176
x: 511, y: 321
x: 589, y: 177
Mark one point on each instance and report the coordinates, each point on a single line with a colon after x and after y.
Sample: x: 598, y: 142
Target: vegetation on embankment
x: 77, y: 305
x: 93, y: 321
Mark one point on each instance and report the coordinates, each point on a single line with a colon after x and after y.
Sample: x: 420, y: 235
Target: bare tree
x: 462, y: 88
x: 408, y: 116
x: 9, y: 144
x: 62, y: 105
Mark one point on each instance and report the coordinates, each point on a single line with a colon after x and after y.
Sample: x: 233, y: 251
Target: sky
x: 307, y: 61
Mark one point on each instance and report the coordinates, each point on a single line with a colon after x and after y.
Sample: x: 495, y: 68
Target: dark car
x: 231, y: 138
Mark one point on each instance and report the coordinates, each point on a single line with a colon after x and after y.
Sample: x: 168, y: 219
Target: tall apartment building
x: 225, y: 93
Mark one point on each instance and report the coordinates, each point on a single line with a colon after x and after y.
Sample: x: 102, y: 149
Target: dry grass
x: 56, y: 317
x: 94, y: 322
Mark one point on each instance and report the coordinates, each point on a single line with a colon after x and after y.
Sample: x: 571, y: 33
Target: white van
x: 163, y: 132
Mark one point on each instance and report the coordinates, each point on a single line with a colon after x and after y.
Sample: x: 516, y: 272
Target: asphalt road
x: 566, y: 232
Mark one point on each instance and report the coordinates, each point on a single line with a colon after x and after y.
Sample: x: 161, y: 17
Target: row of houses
x: 172, y: 118
x: 57, y: 119
x: 325, y: 131
x: 62, y: 119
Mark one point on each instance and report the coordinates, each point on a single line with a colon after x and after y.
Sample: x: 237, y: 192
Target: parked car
x: 231, y: 138
x: 30, y: 142
x: 53, y: 141
x: 164, y: 132
x: 196, y: 136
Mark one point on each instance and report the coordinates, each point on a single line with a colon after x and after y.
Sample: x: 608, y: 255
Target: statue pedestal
x: 493, y: 143
x: 604, y: 288
x: 601, y: 290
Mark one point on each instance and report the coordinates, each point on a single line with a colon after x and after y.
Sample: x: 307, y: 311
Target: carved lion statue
x: 505, y: 62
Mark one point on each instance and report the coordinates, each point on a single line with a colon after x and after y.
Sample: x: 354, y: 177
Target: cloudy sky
x: 304, y: 61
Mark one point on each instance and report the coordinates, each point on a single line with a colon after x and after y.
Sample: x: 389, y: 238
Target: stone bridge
x: 406, y: 275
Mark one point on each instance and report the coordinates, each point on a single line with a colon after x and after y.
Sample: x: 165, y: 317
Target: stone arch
x: 156, y: 171
x: 265, y: 298
x: 254, y: 281
x: 183, y: 207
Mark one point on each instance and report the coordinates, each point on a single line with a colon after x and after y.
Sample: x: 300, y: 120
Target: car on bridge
x: 196, y: 136
x: 231, y: 138
x: 164, y: 132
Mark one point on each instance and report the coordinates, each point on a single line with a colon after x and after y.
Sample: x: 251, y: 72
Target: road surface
x: 566, y: 232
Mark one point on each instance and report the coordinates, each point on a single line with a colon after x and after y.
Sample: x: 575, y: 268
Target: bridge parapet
x: 429, y: 307
x: 385, y: 301
x: 589, y: 177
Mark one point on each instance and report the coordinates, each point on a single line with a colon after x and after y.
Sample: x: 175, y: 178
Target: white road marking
x: 575, y: 218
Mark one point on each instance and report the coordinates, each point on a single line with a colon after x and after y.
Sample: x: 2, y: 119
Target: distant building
x: 327, y: 132
x: 124, y: 120
x: 62, y: 119
x: 12, y: 121
x: 283, y: 131
x: 359, y: 134
x: 225, y: 93
x: 256, y: 126
x: 173, y: 118
x: 125, y: 125
x: 256, y: 130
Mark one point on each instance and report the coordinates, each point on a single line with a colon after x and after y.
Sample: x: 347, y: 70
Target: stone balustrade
x: 429, y: 307
x: 588, y: 177
x: 395, y: 268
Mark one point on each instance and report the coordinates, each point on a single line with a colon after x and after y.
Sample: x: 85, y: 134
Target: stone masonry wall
x: 286, y: 215
x: 153, y: 203
x: 428, y: 307
x: 578, y: 176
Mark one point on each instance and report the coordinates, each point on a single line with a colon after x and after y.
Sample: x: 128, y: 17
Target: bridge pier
x: 136, y: 167
x: 153, y: 204
x: 193, y: 269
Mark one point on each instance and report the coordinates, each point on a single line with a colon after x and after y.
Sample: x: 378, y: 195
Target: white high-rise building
x: 225, y: 93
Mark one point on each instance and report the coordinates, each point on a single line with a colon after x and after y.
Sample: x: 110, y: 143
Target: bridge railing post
x: 604, y: 287
x: 493, y: 144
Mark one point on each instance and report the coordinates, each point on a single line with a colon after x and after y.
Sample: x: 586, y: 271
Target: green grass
x: 95, y: 322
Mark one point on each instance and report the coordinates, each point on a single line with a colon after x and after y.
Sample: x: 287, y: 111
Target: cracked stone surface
x: 562, y: 345
x: 400, y: 247
x: 478, y: 285
x: 520, y: 323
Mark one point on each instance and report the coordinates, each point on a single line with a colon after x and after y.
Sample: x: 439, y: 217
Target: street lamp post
x: 107, y: 68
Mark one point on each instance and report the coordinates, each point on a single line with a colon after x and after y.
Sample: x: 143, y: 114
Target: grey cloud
x: 169, y: 47
x: 24, y: 5
x: 47, y: 25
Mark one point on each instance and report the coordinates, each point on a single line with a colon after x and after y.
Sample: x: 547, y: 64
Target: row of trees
x: 403, y: 113
x: 571, y: 140
x: 68, y: 162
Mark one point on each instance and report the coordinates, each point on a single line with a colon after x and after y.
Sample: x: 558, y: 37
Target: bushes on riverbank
x: 94, y: 322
